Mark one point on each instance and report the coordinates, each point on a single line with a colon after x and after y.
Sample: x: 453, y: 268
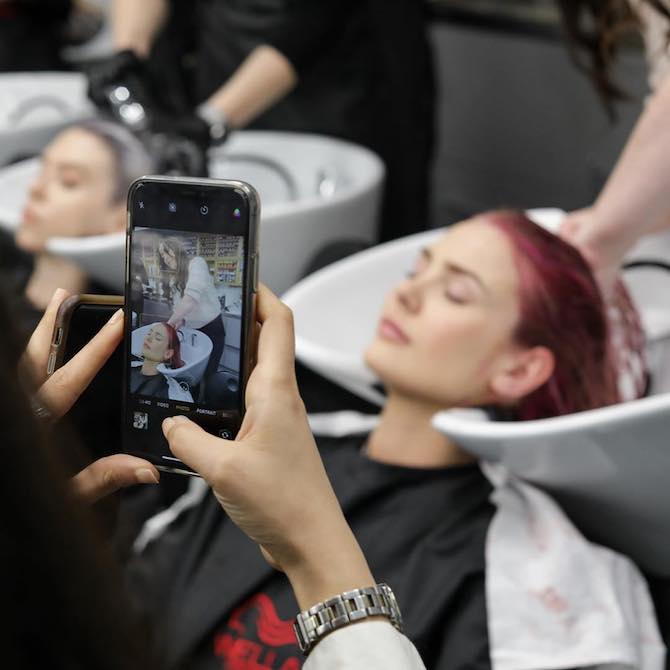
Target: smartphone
x: 78, y: 319
x: 191, y: 281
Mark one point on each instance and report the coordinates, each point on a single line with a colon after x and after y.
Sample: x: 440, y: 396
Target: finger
x: 62, y: 389
x: 195, y: 447
x: 36, y: 355
x: 275, y: 356
x: 112, y: 473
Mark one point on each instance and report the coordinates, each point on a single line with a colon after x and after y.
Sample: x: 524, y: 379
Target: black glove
x: 120, y: 87
x: 179, y: 144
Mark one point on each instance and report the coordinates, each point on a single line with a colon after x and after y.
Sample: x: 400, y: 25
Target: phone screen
x: 191, y: 268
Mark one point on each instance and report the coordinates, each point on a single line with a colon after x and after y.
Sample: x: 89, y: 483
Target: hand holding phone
x: 58, y: 392
x: 271, y: 481
x: 191, y: 278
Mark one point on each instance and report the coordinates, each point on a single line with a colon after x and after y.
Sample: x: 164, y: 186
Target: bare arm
x: 263, y: 78
x: 136, y: 23
x: 636, y: 198
x: 185, y: 307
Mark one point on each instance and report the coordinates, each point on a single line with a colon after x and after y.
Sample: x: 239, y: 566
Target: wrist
x: 327, y: 566
x: 216, y: 120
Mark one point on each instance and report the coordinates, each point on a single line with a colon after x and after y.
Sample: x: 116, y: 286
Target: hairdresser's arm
x: 135, y: 24
x: 198, y: 282
x: 291, y: 39
x: 263, y: 78
x: 183, y: 309
x: 636, y: 198
x: 272, y: 483
x: 60, y: 391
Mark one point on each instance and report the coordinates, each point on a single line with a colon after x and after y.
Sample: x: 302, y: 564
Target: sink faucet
x: 194, y: 339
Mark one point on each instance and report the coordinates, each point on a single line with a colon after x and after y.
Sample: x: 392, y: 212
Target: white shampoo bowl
x: 34, y: 106
x: 608, y: 468
x: 196, y: 348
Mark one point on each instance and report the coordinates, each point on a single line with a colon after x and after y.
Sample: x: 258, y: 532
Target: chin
x: 386, y: 364
x: 26, y: 240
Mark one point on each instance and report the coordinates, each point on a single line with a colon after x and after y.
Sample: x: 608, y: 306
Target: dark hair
x: 131, y: 159
x: 176, y: 246
x: 594, y: 29
x: 561, y: 309
x: 63, y: 601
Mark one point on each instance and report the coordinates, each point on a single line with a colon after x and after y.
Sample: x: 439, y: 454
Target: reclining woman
x: 498, y: 313
x: 80, y: 190
x: 160, y: 346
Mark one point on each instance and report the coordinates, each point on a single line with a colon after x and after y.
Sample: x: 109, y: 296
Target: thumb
x: 194, y: 446
x: 111, y: 473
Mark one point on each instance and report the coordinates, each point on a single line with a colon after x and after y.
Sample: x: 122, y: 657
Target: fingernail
x: 146, y: 476
x: 167, y: 424
x: 116, y: 316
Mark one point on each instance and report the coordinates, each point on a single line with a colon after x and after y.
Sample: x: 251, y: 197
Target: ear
x: 525, y: 372
x: 169, y: 353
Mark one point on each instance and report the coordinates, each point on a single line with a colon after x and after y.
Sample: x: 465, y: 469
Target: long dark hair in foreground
x: 63, y: 599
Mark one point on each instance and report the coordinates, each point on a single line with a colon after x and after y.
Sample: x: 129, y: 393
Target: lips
x: 391, y: 331
x: 28, y: 216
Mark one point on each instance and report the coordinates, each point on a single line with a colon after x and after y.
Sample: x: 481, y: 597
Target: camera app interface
x: 185, y: 329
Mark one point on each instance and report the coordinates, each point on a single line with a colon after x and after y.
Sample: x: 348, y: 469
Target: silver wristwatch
x: 351, y: 606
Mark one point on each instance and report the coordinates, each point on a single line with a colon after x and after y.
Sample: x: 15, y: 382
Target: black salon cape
x: 215, y: 603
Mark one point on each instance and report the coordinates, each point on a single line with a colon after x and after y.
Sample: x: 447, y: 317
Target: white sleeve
x: 199, y: 278
x: 367, y: 645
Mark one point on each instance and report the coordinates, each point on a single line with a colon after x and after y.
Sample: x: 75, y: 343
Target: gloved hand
x: 178, y: 144
x: 120, y: 87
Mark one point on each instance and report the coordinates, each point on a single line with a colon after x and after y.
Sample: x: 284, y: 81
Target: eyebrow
x: 457, y: 269
x: 66, y: 165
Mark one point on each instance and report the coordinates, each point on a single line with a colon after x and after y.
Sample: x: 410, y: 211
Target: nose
x: 410, y: 294
x: 36, y: 189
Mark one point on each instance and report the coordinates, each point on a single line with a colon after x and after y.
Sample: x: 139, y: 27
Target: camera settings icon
x: 140, y: 420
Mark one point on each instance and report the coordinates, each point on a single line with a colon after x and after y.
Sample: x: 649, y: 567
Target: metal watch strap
x: 351, y: 606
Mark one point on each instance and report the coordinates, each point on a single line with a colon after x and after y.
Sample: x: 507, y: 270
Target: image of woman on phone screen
x: 160, y: 346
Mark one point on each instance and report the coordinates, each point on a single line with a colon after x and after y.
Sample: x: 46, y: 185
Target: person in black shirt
x: 359, y: 70
x: 479, y: 322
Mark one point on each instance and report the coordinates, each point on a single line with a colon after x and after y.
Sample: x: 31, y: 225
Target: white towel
x: 555, y: 600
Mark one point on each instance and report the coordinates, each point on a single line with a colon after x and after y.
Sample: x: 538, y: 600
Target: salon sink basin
x: 314, y: 189
x: 34, y: 106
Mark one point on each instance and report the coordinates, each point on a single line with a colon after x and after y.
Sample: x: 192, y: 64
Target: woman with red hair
x: 160, y: 347
x: 497, y: 313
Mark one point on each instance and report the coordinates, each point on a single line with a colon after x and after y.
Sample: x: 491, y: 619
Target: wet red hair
x: 174, y: 344
x: 562, y: 309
